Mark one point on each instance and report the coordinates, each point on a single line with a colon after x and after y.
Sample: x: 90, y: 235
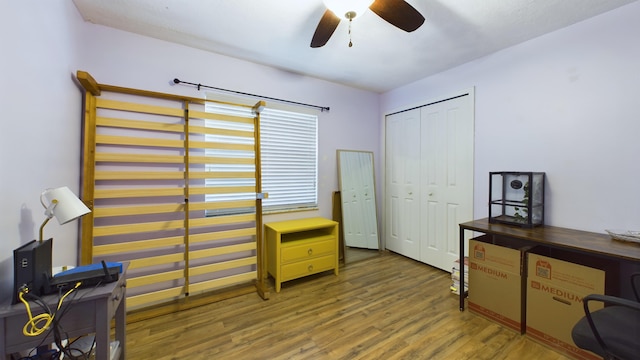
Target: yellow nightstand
x: 297, y: 248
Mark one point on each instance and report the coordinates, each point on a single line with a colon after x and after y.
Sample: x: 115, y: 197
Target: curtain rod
x: 322, y: 108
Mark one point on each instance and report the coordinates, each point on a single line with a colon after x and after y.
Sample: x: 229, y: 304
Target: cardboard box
x: 495, y: 284
x: 555, y: 289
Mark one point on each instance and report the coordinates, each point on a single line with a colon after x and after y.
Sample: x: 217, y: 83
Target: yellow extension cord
x: 31, y: 328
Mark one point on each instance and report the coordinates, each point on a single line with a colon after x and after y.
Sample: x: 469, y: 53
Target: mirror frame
x: 339, y: 154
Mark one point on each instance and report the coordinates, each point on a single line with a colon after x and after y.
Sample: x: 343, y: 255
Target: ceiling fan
x: 396, y: 12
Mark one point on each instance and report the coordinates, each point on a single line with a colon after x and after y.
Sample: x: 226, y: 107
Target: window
x: 289, y: 152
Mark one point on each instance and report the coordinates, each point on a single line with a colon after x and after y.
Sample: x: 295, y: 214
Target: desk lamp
x: 63, y: 204
x: 32, y: 261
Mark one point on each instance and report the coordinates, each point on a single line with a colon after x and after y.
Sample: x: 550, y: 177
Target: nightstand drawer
x: 307, y: 250
x: 308, y: 267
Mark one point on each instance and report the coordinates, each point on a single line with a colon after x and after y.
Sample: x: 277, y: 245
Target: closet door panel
x: 403, y: 183
x: 447, y: 175
x: 392, y: 184
x: 429, y: 179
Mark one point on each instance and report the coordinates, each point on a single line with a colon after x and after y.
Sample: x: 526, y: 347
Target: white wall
x: 41, y: 109
x: 45, y: 43
x: 565, y: 103
x: 124, y: 59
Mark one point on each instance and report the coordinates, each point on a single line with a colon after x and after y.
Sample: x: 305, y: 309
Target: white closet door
x: 360, y: 224
x: 402, y: 181
x: 429, y: 179
x: 446, y: 178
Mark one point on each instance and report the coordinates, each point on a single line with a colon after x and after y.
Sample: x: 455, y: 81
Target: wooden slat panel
x: 216, y: 131
x: 88, y: 162
x: 222, y: 235
x: 159, y: 95
x: 221, y: 190
x: 137, y: 228
x: 220, y: 160
x: 223, y: 250
x: 154, y: 297
x: 139, y: 108
x: 222, y: 205
x: 222, y: 220
x: 139, y: 175
x: 220, y: 145
x: 218, y: 283
x: 156, y: 260
x: 140, y: 158
x: 140, y: 245
x: 100, y: 212
x: 120, y: 183
x: 138, y: 141
x: 194, y: 114
x: 133, y: 282
x: 140, y: 125
x: 129, y: 193
x: 222, y: 175
x: 88, y: 83
x: 225, y: 265
x: 150, y: 94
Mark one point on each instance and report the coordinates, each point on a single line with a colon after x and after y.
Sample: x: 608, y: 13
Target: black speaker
x: 32, y: 268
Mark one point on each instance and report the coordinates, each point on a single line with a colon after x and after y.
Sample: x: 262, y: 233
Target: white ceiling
x: 278, y: 33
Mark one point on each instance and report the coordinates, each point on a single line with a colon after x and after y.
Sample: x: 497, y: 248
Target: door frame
x: 383, y: 160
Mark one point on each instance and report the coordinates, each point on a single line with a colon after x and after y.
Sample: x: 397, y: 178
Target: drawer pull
x: 310, y: 251
x: 310, y: 268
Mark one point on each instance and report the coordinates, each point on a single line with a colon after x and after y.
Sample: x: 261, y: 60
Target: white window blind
x: 289, y: 152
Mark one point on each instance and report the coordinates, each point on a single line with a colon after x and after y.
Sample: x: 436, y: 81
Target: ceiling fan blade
x: 398, y: 13
x: 325, y: 29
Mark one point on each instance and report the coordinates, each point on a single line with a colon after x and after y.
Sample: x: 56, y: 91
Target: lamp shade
x: 63, y: 204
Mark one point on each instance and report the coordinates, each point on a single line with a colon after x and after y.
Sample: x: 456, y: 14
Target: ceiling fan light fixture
x: 349, y: 9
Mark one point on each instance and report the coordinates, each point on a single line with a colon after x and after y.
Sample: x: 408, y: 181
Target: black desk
x: 553, y: 237
x: 91, y: 312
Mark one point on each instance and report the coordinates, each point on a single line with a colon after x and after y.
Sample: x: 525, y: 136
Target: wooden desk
x: 553, y: 237
x: 91, y: 311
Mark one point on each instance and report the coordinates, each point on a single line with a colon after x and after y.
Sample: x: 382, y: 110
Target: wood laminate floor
x: 385, y: 307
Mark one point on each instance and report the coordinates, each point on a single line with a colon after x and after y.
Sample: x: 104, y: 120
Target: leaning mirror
x: 358, y: 203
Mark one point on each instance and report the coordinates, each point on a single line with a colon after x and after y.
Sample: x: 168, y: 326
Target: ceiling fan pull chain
x: 350, y: 43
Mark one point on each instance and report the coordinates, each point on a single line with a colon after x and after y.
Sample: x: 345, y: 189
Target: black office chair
x: 612, y: 332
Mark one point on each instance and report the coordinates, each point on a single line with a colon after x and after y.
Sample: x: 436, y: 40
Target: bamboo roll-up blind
x: 146, y: 165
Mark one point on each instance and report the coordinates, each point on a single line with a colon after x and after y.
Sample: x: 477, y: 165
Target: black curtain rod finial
x: 176, y: 81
